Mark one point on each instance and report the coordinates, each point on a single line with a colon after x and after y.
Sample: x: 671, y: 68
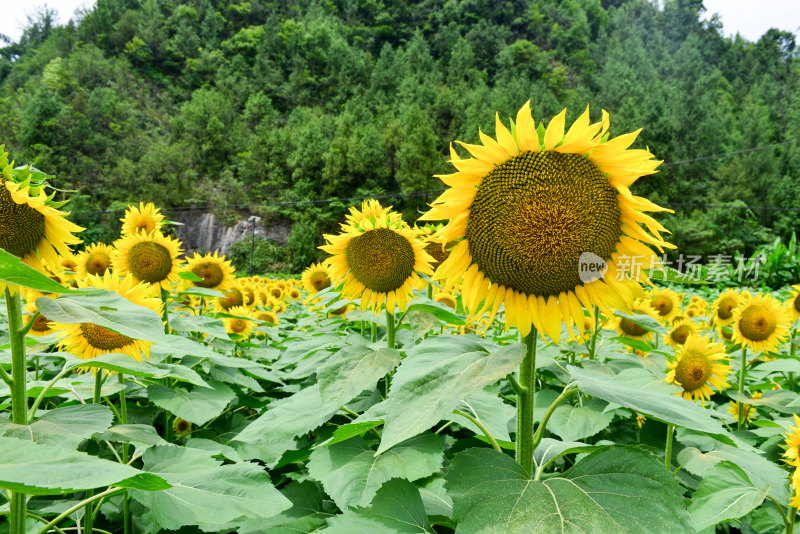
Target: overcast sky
x: 751, y: 18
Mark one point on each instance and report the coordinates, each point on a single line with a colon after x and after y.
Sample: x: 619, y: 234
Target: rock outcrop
x: 204, y: 232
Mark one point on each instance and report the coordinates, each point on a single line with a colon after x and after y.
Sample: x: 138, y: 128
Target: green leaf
x: 198, y: 323
x: 440, y: 311
x: 16, y: 273
x: 397, y: 509
x: 572, y: 423
x: 631, y: 389
x: 352, y: 370
x: 198, y: 407
x: 141, y: 436
x: 435, y: 498
x: 351, y: 473
x: 66, y: 426
x: 436, y: 375
x: 205, y: 492
x: 189, y: 275
x: 350, y: 430
x: 288, y: 417
x: 725, y: 493
x: 308, y: 513
x: 781, y: 400
x: 490, y: 410
x: 105, y: 309
x: 621, y: 490
x: 645, y: 321
x: 550, y: 449
x: 49, y: 470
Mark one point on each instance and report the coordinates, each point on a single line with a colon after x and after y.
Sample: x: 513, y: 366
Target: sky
x: 750, y: 18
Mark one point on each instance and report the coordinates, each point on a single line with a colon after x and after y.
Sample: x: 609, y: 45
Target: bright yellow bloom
x: 96, y: 259
x: 666, y: 303
x: 150, y: 258
x: 146, y: 218
x: 628, y: 328
x: 749, y: 410
x: 531, y: 210
x: 316, y: 278
x: 680, y: 332
x: 794, y: 302
x: 215, y: 271
x: 726, y: 303
x: 792, y: 442
x: 761, y: 324
x: 242, y: 325
x: 697, y: 368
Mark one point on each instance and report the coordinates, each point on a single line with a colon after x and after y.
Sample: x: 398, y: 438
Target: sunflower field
x: 470, y: 372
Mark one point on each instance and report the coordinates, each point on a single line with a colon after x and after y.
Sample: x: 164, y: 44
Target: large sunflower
x: 698, y: 367
x: 761, y: 324
x: 242, y: 325
x: 726, y: 303
x: 31, y: 226
x: 87, y: 340
x: 680, y: 332
x: 146, y: 218
x: 216, y: 272
x: 96, y: 259
x: 315, y: 278
x: 378, y: 258
x: 535, y: 209
x: 150, y: 258
x: 627, y: 327
x: 41, y: 325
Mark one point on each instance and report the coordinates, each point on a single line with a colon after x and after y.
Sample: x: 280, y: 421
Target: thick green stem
x: 791, y: 354
x: 19, y: 400
x: 668, y: 447
x: 390, y: 328
x: 742, y: 371
x: 87, y: 502
x: 430, y: 291
x: 88, y: 516
x: 44, y: 391
x: 374, y: 332
x: 527, y: 387
x: 593, y: 341
x: 165, y: 312
x: 123, y: 419
x: 792, y: 517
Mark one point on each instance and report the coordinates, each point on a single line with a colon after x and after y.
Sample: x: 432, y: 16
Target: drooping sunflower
x: 761, y: 324
x: 87, y: 340
x: 680, y: 332
x: 726, y: 303
x: 96, y: 259
x: 749, y: 409
x: 146, y: 218
x: 216, y: 272
x: 667, y: 304
x: 267, y: 316
x: 534, y: 209
x: 31, y: 226
x: 150, y: 258
x: 242, y: 325
x: 448, y: 299
x: 378, y: 259
x: 248, y: 293
x: 315, y: 278
x: 341, y: 312
x: 698, y: 367
x: 627, y: 327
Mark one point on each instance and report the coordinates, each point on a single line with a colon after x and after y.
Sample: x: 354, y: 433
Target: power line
x: 733, y: 153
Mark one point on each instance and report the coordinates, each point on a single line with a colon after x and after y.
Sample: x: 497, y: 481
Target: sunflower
x: 761, y: 324
x: 792, y: 443
x: 41, y: 325
x: 248, y: 293
x: 448, y: 299
x: 242, y: 325
x: 96, y: 259
x: 378, y: 259
x: 181, y: 427
x: 341, y: 312
x: 31, y: 226
x: 150, y: 258
x: 794, y: 302
x: 215, y: 271
x: 275, y: 292
x: 749, y: 410
x: 69, y: 267
x: 146, y: 218
x: 627, y: 327
x: 532, y: 207
x: 294, y: 293
x: 726, y: 303
x: 233, y: 298
x: 316, y: 278
x: 87, y: 340
x: 667, y: 304
x: 697, y: 368
x: 267, y: 316
x: 680, y: 332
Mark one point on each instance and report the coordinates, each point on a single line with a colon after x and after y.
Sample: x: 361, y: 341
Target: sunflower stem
x: 482, y: 427
x: 593, y: 343
x: 791, y: 354
x: 165, y: 313
x: 390, y: 328
x: 742, y: 371
x: 668, y: 448
x: 19, y: 400
x: 123, y: 419
x: 792, y: 517
x: 527, y: 381
x: 374, y: 332
x: 88, y: 514
x: 430, y: 291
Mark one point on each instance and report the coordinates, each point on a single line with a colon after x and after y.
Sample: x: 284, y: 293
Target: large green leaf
x: 725, y: 493
x: 205, y: 492
x: 572, y: 423
x: 49, y: 470
x: 141, y: 436
x: 198, y: 406
x: 490, y: 410
x: 351, y: 473
x: 308, y: 513
x: 620, y: 490
x: 14, y: 272
x: 66, y: 426
x: 631, y: 389
x: 287, y: 418
x: 105, y: 309
x: 397, y: 509
x: 352, y: 370
x: 436, y: 375
x: 440, y: 311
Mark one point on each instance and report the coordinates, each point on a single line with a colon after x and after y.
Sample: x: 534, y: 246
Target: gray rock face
x: 204, y: 232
